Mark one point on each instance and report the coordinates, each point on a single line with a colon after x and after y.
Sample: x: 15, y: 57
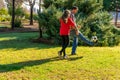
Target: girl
x: 66, y: 23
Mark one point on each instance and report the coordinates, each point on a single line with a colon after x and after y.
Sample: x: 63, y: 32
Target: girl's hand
x: 71, y: 28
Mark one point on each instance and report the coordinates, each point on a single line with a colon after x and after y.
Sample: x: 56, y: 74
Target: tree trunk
x: 116, y: 18
x: 40, y: 6
x: 31, y: 15
x: 40, y: 31
x: 13, y: 15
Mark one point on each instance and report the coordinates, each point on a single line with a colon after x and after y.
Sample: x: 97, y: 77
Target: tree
x: 91, y: 16
x: 96, y: 21
x: 112, y: 5
x: 12, y: 5
x: 39, y: 12
x: 49, y: 22
x: 31, y: 4
x: 49, y: 19
x: 13, y: 14
x: 117, y: 9
x: 17, y: 3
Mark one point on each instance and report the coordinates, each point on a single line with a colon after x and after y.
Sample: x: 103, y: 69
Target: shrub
x: 95, y: 21
x: 19, y: 14
x: 18, y: 23
x: 27, y: 16
x: 3, y: 11
x: 91, y: 17
x: 4, y: 16
x: 49, y: 22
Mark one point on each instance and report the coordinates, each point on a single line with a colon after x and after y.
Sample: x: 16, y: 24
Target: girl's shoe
x: 59, y: 54
x: 65, y: 57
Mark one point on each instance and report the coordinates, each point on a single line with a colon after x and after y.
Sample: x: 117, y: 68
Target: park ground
x: 20, y: 59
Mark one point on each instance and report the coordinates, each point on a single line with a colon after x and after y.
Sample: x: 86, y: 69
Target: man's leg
x: 74, y: 46
x: 82, y: 37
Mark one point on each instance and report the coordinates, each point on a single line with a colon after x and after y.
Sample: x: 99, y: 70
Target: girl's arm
x: 74, y: 26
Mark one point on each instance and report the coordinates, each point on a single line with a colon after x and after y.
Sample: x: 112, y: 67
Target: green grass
x: 22, y: 60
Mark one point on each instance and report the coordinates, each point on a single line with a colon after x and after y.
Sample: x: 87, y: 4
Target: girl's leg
x: 63, y: 44
x: 66, y: 44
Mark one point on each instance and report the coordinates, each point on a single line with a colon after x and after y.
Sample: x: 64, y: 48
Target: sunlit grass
x: 22, y: 60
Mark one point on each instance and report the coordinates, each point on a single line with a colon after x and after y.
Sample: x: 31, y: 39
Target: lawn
x: 20, y: 59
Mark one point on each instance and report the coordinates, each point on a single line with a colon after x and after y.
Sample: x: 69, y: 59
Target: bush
x: 34, y: 16
x: 4, y: 16
x: 19, y: 15
x: 3, y: 11
x: 49, y: 22
x: 27, y: 16
x: 18, y: 23
x: 95, y: 21
x: 91, y: 17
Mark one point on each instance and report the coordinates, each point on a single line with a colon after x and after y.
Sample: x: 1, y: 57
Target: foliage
x: 4, y: 16
x: 27, y: 15
x: 91, y: 16
x: 19, y: 14
x: 17, y: 3
x: 19, y: 11
x: 49, y: 22
x: 18, y: 23
x: 111, y: 5
x: 95, y: 21
x: 57, y: 3
x: 3, y: 11
x: 31, y: 4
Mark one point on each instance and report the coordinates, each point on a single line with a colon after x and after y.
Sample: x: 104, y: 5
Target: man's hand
x: 78, y: 26
x: 77, y: 32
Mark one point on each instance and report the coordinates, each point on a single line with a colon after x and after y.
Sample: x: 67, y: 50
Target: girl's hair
x: 65, y: 16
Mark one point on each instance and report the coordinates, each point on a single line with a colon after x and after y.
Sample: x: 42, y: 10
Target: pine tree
x: 113, y: 5
x: 91, y: 16
x: 95, y: 21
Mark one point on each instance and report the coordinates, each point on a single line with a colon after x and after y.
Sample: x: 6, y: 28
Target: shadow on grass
x: 20, y: 65
x: 19, y: 41
x: 75, y: 58
x: 18, y: 44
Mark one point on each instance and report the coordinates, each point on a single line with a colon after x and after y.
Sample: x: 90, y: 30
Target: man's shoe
x: 73, y: 54
x: 95, y: 43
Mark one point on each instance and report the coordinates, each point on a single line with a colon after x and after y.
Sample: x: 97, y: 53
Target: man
x: 79, y: 34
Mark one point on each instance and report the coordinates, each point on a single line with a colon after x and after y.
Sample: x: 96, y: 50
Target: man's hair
x: 74, y: 7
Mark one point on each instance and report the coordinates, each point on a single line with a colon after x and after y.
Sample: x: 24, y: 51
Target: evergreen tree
x: 91, y: 17
x: 95, y: 21
x: 112, y: 5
